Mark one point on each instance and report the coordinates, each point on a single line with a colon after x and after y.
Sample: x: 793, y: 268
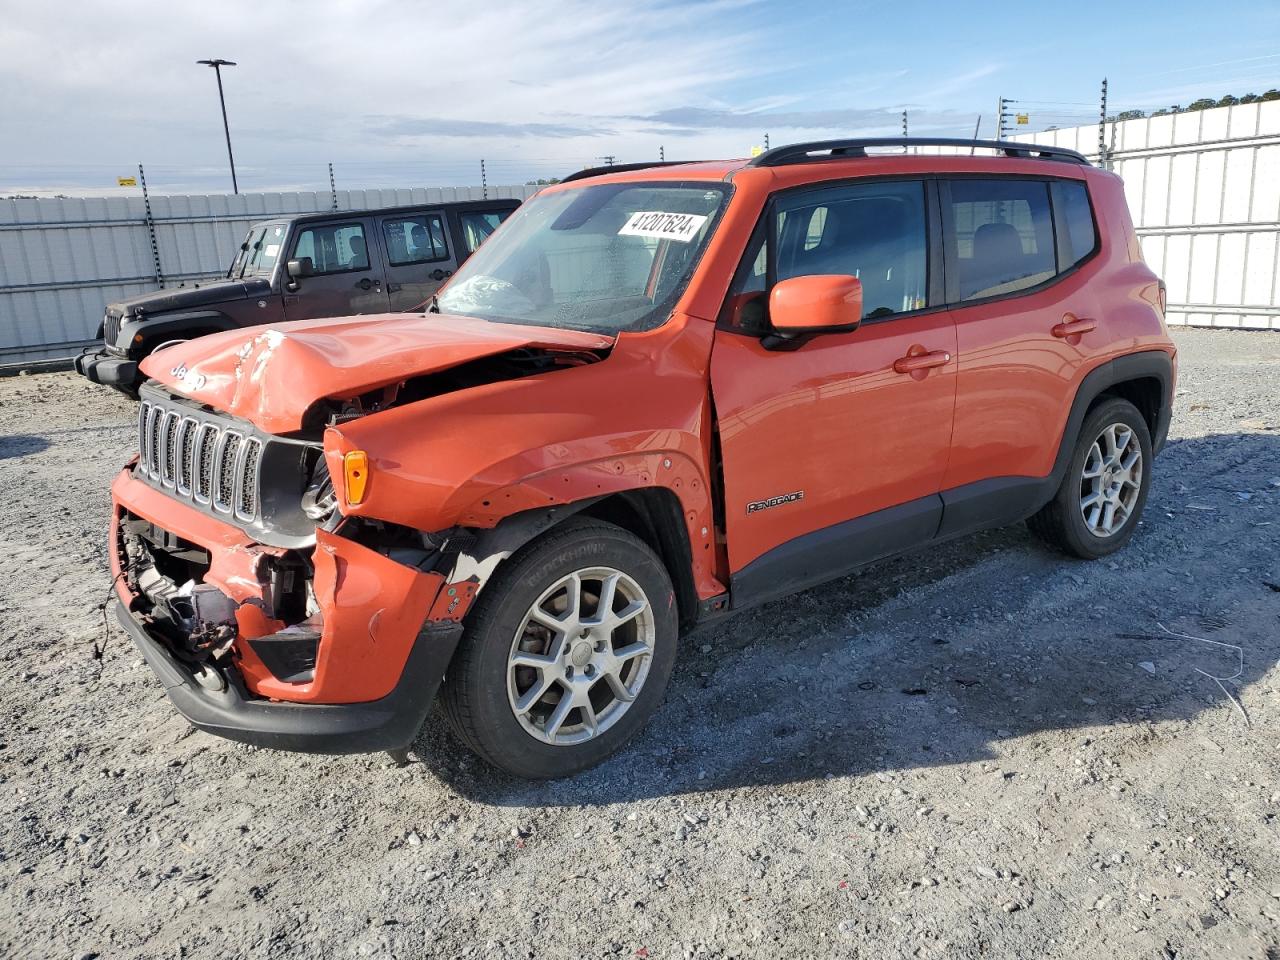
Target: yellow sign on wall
x: 1024, y: 118
x: 127, y: 181
x: 756, y: 151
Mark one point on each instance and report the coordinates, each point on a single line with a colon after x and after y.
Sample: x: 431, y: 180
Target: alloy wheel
x: 580, y: 656
x: 1111, y: 480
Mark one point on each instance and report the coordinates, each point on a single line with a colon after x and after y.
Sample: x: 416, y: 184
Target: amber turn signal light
x: 356, y: 473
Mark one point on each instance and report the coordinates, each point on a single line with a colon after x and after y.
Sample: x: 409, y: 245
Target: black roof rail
x: 843, y: 149
x: 620, y: 168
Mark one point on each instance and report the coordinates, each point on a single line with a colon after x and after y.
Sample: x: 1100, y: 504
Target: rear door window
x: 333, y: 247
x: 1001, y: 236
x: 415, y: 239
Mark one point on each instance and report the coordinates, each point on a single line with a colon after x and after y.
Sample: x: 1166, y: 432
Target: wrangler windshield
x: 604, y: 258
x: 259, y: 252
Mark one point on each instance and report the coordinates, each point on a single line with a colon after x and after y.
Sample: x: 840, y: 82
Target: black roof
x: 497, y: 203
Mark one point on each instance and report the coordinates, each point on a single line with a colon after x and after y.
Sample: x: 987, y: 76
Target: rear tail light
x: 1164, y: 298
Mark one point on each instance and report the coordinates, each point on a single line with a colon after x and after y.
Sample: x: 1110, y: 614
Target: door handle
x: 393, y: 288
x: 1073, y: 327
x: 920, y: 362
x: 438, y: 274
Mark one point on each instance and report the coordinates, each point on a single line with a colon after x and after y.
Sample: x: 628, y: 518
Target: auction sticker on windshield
x: 664, y: 226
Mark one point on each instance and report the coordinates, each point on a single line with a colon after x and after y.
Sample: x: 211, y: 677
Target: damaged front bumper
x: 380, y: 644
x: 104, y: 367
x: 232, y: 712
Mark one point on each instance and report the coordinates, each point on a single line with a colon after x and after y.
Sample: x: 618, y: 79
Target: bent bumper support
x: 390, y: 723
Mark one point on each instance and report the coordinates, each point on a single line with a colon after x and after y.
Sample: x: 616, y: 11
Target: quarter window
x: 1003, y: 236
x: 333, y: 247
x: 476, y: 228
x: 416, y: 239
x: 1071, y: 204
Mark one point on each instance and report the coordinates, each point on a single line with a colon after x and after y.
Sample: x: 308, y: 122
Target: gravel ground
x: 957, y: 754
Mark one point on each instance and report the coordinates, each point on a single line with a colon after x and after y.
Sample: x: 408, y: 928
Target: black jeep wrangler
x: 310, y: 265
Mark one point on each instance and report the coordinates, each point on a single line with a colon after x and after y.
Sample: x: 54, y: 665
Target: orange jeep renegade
x: 658, y: 394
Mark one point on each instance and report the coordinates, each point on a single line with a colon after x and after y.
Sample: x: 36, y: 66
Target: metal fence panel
x: 1204, y: 193
x: 63, y: 259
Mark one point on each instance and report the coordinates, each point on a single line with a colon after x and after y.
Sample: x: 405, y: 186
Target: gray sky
x: 404, y: 93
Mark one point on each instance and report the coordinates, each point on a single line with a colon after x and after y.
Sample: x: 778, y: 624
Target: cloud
x: 427, y: 127
x: 688, y: 121
x: 381, y: 87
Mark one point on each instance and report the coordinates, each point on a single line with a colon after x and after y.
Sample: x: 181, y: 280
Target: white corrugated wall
x: 63, y: 260
x: 1204, y: 192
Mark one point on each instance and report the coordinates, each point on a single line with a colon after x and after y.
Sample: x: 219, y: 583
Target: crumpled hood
x: 271, y: 375
x: 187, y: 298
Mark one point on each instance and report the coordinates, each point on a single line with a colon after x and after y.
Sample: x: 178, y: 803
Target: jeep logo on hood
x: 187, y: 378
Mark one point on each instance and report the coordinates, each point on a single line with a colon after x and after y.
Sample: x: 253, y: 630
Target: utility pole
x: 217, y: 69
x: 662, y: 154
x: 333, y: 188
x: 1001, y: 116
x: 905, y: 148
x: 608, y: 159
x: 484, y: 181
x: 766, y: 141
x: 1102, y: 128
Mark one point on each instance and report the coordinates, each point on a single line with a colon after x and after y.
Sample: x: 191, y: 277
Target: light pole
x: 217, y: 68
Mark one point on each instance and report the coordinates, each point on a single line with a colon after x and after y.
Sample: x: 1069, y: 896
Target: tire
x: 1065, y: 522
x: 485, y: 688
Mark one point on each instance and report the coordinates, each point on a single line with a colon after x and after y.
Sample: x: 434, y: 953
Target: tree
x: 1204, y: 103
x: 1228, y: 101
x: 1271, y: 94
x: 1128, y: 115
x: 1250, y: 98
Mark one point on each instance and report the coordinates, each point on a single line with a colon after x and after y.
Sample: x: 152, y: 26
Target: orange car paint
x: 834, y: 419
x: 372, y: 607
x: 271, y: 377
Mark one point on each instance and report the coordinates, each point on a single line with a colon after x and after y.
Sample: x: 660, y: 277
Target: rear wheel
x: 567, y: 653
x: 1096, y: 510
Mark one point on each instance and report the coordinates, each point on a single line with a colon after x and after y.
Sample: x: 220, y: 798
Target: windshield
x: 259, y: 252
x: 604, y: 258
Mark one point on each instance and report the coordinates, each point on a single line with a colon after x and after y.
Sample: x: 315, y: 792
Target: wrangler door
x: 834, y: 450
x: 346, y: 273
x: 419, y: 259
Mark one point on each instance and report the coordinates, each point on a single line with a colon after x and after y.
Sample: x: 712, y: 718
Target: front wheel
x: 1096, y: 510
x: 567, y: 653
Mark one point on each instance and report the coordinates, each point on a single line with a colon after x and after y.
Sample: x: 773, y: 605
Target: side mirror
x: 299, y: 268
x: 807, y: 306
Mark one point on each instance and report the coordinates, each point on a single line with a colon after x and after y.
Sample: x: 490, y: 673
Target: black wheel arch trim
x: 165, y: 324
x: 1110, y: 373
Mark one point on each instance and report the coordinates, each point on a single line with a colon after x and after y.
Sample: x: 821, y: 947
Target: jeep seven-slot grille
x: 200, y: 458
x: 110, y: 329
